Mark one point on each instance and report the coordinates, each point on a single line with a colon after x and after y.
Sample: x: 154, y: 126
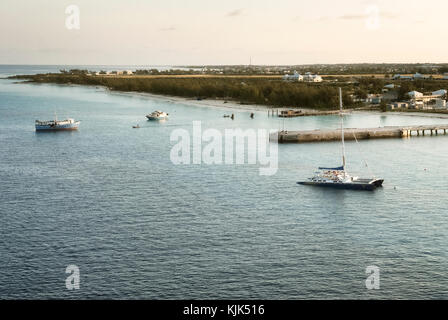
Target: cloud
x: 352, y: 17
x: 168, y: 29
x: 235, y: 13
x: 382, y: 14
x: 388, y: 15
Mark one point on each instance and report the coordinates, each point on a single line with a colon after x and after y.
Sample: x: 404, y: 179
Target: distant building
x: 439, y: 93
x: 295, y: 77
x: 374, y: 98
x: 398, y: 105
x: 440, y: 104
x: 391, y: 95
x: 416, y: 76
x: 317, y: 78
x: 415, y: 94
x: 417, y: 105
x: 434, y: 101
x: 309, y: 77
x: 401, y: 77
x: 419, y: 76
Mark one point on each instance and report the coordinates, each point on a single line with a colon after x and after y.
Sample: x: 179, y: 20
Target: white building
x: 440, y: 104
x: 374, y: 98
x: 317, y: 78
x: 309, y: 77
x: 439, y: 93
x: 415, y: 94
x: 295, y: 77
x: 419, y: 76
x: 398, y: 105
x: 417, y: 105
x: 401, y: 77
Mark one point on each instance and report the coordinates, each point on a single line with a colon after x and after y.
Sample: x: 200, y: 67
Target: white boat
x: 56, y: 125
x: 157, y: 115
x: 338, y: 177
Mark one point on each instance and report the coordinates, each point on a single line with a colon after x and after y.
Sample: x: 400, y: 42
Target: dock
x: 291, y: 113
x: 359, y: 133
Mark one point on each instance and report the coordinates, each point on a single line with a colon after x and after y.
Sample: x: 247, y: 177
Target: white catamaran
x: 339, y: 177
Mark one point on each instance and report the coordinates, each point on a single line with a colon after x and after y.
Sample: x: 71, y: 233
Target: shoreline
x: 217, y: 103
x: 233, y: 105
x: 212, y: 103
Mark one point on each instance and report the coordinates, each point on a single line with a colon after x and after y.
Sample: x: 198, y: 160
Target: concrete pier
x: 359, y: 133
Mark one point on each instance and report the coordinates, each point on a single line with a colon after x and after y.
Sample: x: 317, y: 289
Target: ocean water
x: 108, y: 199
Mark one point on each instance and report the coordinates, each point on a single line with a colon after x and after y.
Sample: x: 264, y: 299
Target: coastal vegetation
x: 261, y: 90
x: 269, y: 92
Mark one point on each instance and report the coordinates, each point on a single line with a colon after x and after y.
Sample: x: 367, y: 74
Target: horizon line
x: 224, y: 65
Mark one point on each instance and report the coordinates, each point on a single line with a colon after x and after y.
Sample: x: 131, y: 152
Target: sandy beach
x: 214, y: 103
x: 233, y: 105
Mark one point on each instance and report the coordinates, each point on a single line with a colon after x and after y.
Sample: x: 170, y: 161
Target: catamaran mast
x: 342, y: 128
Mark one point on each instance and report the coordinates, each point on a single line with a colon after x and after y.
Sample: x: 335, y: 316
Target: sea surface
x: 109, y: 200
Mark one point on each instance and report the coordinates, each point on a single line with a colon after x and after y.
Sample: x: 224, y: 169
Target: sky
x: 211, y: 32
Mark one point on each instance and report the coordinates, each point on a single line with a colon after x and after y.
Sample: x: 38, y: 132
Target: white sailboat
x: 339, y: 177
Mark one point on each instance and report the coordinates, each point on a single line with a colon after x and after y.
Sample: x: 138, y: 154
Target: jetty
x: 359, y: 133
x: 292, y: 113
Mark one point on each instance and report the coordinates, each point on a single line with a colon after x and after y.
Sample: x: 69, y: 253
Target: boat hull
x: 155, y: 118
x: 350, y: 186
x: 61, y: 127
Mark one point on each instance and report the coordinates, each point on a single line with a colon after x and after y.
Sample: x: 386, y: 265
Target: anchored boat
x: 338, y: 177
x: 157, y: 115
x: 56, y: 125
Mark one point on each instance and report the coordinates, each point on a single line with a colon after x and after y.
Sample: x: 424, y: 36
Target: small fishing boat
x: 157, y: 115
x: 338, y: 177
x: 136, y: 127
x: 57, y: 125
